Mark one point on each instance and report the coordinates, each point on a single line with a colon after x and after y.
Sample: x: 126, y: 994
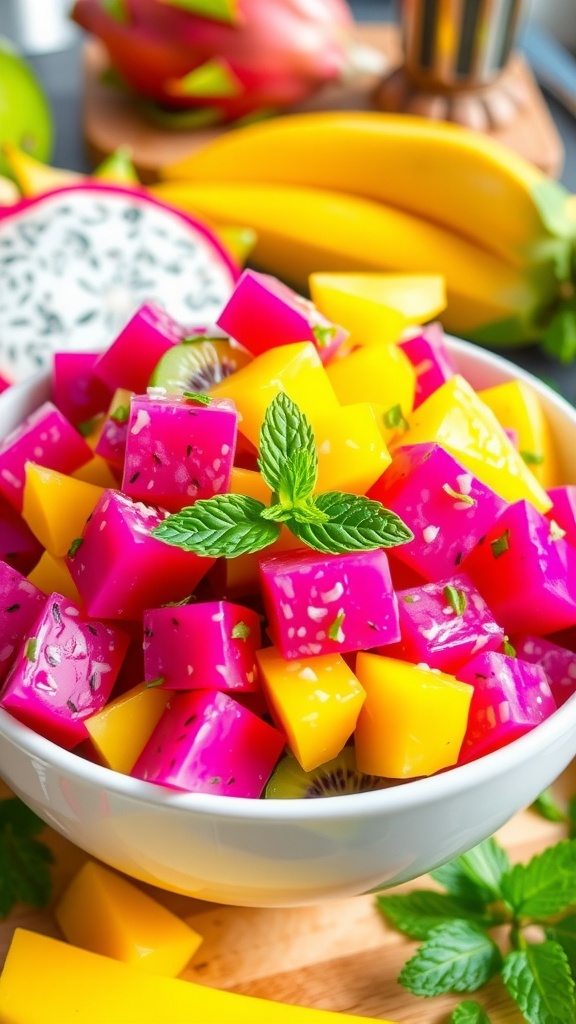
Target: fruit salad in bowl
x: 288, y: 613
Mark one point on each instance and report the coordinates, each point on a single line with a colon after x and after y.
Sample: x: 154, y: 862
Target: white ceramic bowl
x: 290, y: 852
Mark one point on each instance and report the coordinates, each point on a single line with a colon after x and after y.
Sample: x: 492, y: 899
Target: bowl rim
x: 376, y: 803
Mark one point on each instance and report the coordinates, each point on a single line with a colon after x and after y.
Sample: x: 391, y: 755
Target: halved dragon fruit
x: 263, y: 313
x: 64, y: 671
x: 444, y: 624
x: 105, y: 250
x: 45, y: 437
x: 510, y: 698
x: 431, y: 360
x: 20, y: 603
x: 120, y: 569
x: 328, y: 604
x: 558, y: 663
x: 178, y: 450
x: 210, y: 645
x: 206, y: 742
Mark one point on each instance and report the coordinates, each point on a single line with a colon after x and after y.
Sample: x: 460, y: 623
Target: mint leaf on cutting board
x: 456, y: 957
x: 24, y: 860
x: 538, y: 979
x: 546, y: 885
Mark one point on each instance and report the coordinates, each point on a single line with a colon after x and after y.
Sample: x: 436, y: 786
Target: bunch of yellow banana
x: 348, y: 190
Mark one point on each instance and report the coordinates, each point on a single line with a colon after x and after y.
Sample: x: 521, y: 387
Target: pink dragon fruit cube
x: 510, y: 698
x: 558, y: 663
x: 328, y: 604
x: 45, y: 437
x: 431, y: 360
x: 443, y: 625
x: 178, y: 450
x: 210, y: 645
x: 447, y: 508
x: 120, y: 569
x: 111, y: 444
x: 525, y: 572
x: 132, y: 357
x: 563, y: 511
x: 20, y: 603
x: 64, y: 672
x: 263, y: 313
x: 206, y: 742
x: 18, y: 545
x: 75, y: 391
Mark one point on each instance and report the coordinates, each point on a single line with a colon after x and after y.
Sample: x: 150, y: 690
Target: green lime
x: 25, y: 118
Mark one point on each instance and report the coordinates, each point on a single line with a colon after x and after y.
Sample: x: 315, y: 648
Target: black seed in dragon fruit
x: 447, y: 508
x: 444, y: 624
x: 64, y: 671
x: 558, y: 662
x: 510, y: 698
x: 111, y: 444
x: 132, y: 357
x: 206, y: 742
x: 18, y: 545
x: 77, y: 393
x: 178, y: 450
x: 45, y: 437
x: 106, y: 249
x: 20, y: 603
x: 209, y: 645
x: 525, y: 572
x: 120, y: 569
x: 328, y: 604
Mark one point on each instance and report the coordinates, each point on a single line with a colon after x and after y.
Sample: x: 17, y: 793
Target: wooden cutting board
x: 336, y: 956
x: 112, y: 118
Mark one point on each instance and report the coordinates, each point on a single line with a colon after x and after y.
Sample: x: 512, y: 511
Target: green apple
x: 25, y: 117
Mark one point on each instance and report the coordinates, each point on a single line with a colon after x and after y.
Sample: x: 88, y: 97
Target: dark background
x: 61, y: 76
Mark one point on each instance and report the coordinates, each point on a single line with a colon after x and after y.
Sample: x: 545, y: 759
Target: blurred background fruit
x: 25, y: 117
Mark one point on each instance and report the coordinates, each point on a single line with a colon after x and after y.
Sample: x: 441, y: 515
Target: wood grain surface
x: 336, y: 956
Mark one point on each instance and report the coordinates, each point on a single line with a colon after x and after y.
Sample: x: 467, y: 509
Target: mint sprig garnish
x: 459, y: 954
x: 333, y: 522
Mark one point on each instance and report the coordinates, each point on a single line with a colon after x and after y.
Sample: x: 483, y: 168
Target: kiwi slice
x: 337, y: 777
x: 197, y: 365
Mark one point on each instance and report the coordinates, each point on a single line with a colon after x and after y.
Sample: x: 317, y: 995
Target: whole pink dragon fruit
x: 223, y: 59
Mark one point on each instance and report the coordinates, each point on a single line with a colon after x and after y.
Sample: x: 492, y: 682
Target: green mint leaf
x: 307, y: 512
x: 559, y: 338
x: 455, y: 598
x: 458, y: 884
x: 335, y: 628
x: 154, y: 683
x: 545, y: 885
x: 539, y: 980
x: 355, y: 524
x: 75, y: 546
x: 120, y: 414
x: 546, y: 806
x: 240, y: 631
x: 456, y: 957
x: 572, y: 818
x: 469, y: 1012
x: 467, y: 499
x: 324, y: 336
x: 276, y: 513
x: 508, y: 649
x: 197, y: 396
x: 500, y: 544
x: 532, y: 458
x: 24, y: 861
x: 485, y: 866
x: 31, y: 649
x: 422, y: 910
x: 284, y: 430
x: 298, y: 477
x: 226, y: 525
x: 394, y: 417
x: 564, y: 932
x: 87, y: 426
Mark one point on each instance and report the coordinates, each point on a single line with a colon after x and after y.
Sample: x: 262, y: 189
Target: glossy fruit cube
x: 56, y: 506
x: 111, y: 443
x: 132, y: 357
x: 18, y: 545
x: 20, y: 604
x: 558, y: 662
x: 77, y: 393
x: 432, y: 362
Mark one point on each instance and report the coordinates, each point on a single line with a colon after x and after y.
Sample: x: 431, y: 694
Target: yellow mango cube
x: 56, y: 506
x: 314, y: 701
x: 51, y: 575
x: 457, y: 418
x: 295, y: 369
x: 352, y: 453
x: 413, y: 720
x: 120, y: 731
x: 516, y: 406
x: 105, y: 913
x: 382, y: 374
x: 377, y: 307
x: 74, y: 986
